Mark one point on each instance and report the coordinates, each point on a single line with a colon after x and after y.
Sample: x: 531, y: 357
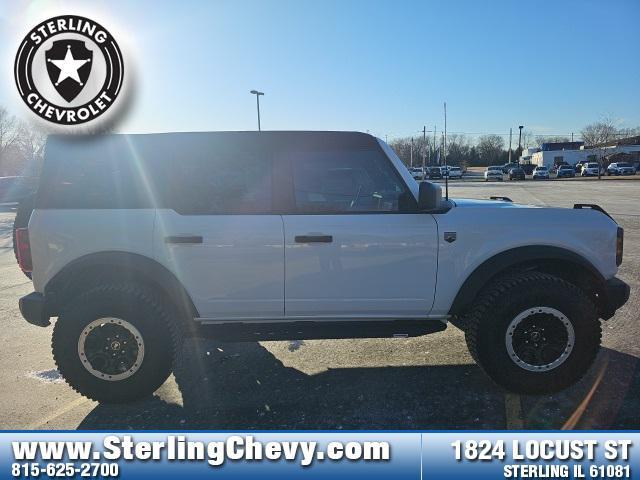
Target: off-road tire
x: 498, y: 304
x: 142, y: 308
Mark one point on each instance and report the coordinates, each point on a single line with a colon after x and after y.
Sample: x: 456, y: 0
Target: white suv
x: 541, y: 172
x: 135, y: 241
x: 590, y: 169
x: 455, y: 172
x: 493, y: 173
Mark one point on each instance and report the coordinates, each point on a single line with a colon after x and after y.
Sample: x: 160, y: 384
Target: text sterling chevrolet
x: 135, y: 241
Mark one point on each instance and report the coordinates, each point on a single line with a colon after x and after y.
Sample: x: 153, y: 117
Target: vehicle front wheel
x: 114, y: 343
x: 543, y: 338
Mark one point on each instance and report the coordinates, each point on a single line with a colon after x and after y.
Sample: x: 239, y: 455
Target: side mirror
x: 429, y: 196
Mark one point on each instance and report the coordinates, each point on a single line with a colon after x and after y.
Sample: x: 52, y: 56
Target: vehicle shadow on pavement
x: 243, y: 386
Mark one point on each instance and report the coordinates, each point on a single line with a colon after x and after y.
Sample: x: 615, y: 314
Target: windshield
x: 542, y: 169
x: 491, y: 169
x: 592, y: 165
x: 624, y: 164
x: 455, y: 169
x: 566, y: 167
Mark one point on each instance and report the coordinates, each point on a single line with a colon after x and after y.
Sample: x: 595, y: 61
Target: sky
x: 385, y: 67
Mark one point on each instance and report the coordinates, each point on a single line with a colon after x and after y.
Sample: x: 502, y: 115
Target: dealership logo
x: 69, y: 70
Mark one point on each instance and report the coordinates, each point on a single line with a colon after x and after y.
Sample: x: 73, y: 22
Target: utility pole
x: 424, y: 143
x: 434, y: 140
x: 510, y: 134
x: 257, y: 94
x: 572, y: 137
x: 446, y: 178
x: 411, y: 154
x: 444, y: 153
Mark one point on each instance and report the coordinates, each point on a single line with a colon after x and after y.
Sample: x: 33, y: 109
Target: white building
x: 572, y: 152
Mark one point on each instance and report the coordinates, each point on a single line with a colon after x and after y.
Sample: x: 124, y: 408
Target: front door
x: 355, y: 246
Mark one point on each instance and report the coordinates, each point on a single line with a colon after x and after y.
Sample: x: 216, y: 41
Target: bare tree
x: 21, y: 146
x: 458, y: 148
x: 31, y: 142
x: 420, y: 147
x: 9, y: 132
x: 599, y: 132
x: 528, y: 139
x: 490, y: 148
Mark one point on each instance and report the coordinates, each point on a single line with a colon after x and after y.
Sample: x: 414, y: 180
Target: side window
x: 221, y: 183
x: 93, y: 181
x: 346, y: 182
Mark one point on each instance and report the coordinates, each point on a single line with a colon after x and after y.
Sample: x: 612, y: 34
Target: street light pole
x: 257, y: 94
x: 520, y: 139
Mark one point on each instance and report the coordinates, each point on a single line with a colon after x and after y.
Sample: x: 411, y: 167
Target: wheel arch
x: 115, y: 266
x: 557, y: 261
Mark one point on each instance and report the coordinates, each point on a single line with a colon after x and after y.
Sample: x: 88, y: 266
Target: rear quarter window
x: 87, y: 175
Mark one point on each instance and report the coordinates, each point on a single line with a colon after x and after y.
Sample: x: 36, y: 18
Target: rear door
x: 355, y: 246
x: 219, y: 234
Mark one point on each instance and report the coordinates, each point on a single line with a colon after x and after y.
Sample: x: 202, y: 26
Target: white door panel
x: 238, y: 269
x: 377, y: 265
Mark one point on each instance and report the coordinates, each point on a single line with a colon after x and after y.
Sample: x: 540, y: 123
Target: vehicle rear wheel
x: 543, y: 339
x: 114, y: 343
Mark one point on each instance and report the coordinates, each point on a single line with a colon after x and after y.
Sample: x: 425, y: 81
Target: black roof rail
x: 498, y: 197
x: 592, y: 206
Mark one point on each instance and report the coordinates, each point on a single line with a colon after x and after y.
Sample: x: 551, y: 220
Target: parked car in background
x: 621, y: 168
x: 590, y: 169
x: 541, y: 173
x: 566, y: 171
x: 434, y: 172
x: 517, y: 173
x: 455, y: 172
x: 508, y: 166
x: 528, y: 168
x: 493, y: 173
x: 417, y: 173
x: 16, y: 189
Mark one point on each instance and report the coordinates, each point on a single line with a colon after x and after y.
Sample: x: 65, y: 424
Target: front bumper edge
x: 616, y: 294
x: 33, y: 309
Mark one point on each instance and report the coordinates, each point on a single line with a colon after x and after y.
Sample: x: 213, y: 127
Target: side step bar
x: 309, y: 330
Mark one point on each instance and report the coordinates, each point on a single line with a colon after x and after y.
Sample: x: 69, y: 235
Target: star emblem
x: 69, y: 67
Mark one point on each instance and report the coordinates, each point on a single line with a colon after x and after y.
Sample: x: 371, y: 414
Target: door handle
x: 183, y: 239
x: 313, y: 238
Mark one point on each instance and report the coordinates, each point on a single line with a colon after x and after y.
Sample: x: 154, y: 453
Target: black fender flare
x: 122, y: 266
x: 521, y: 256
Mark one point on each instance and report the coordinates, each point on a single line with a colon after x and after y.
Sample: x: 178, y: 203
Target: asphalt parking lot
x: 418, y: 383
